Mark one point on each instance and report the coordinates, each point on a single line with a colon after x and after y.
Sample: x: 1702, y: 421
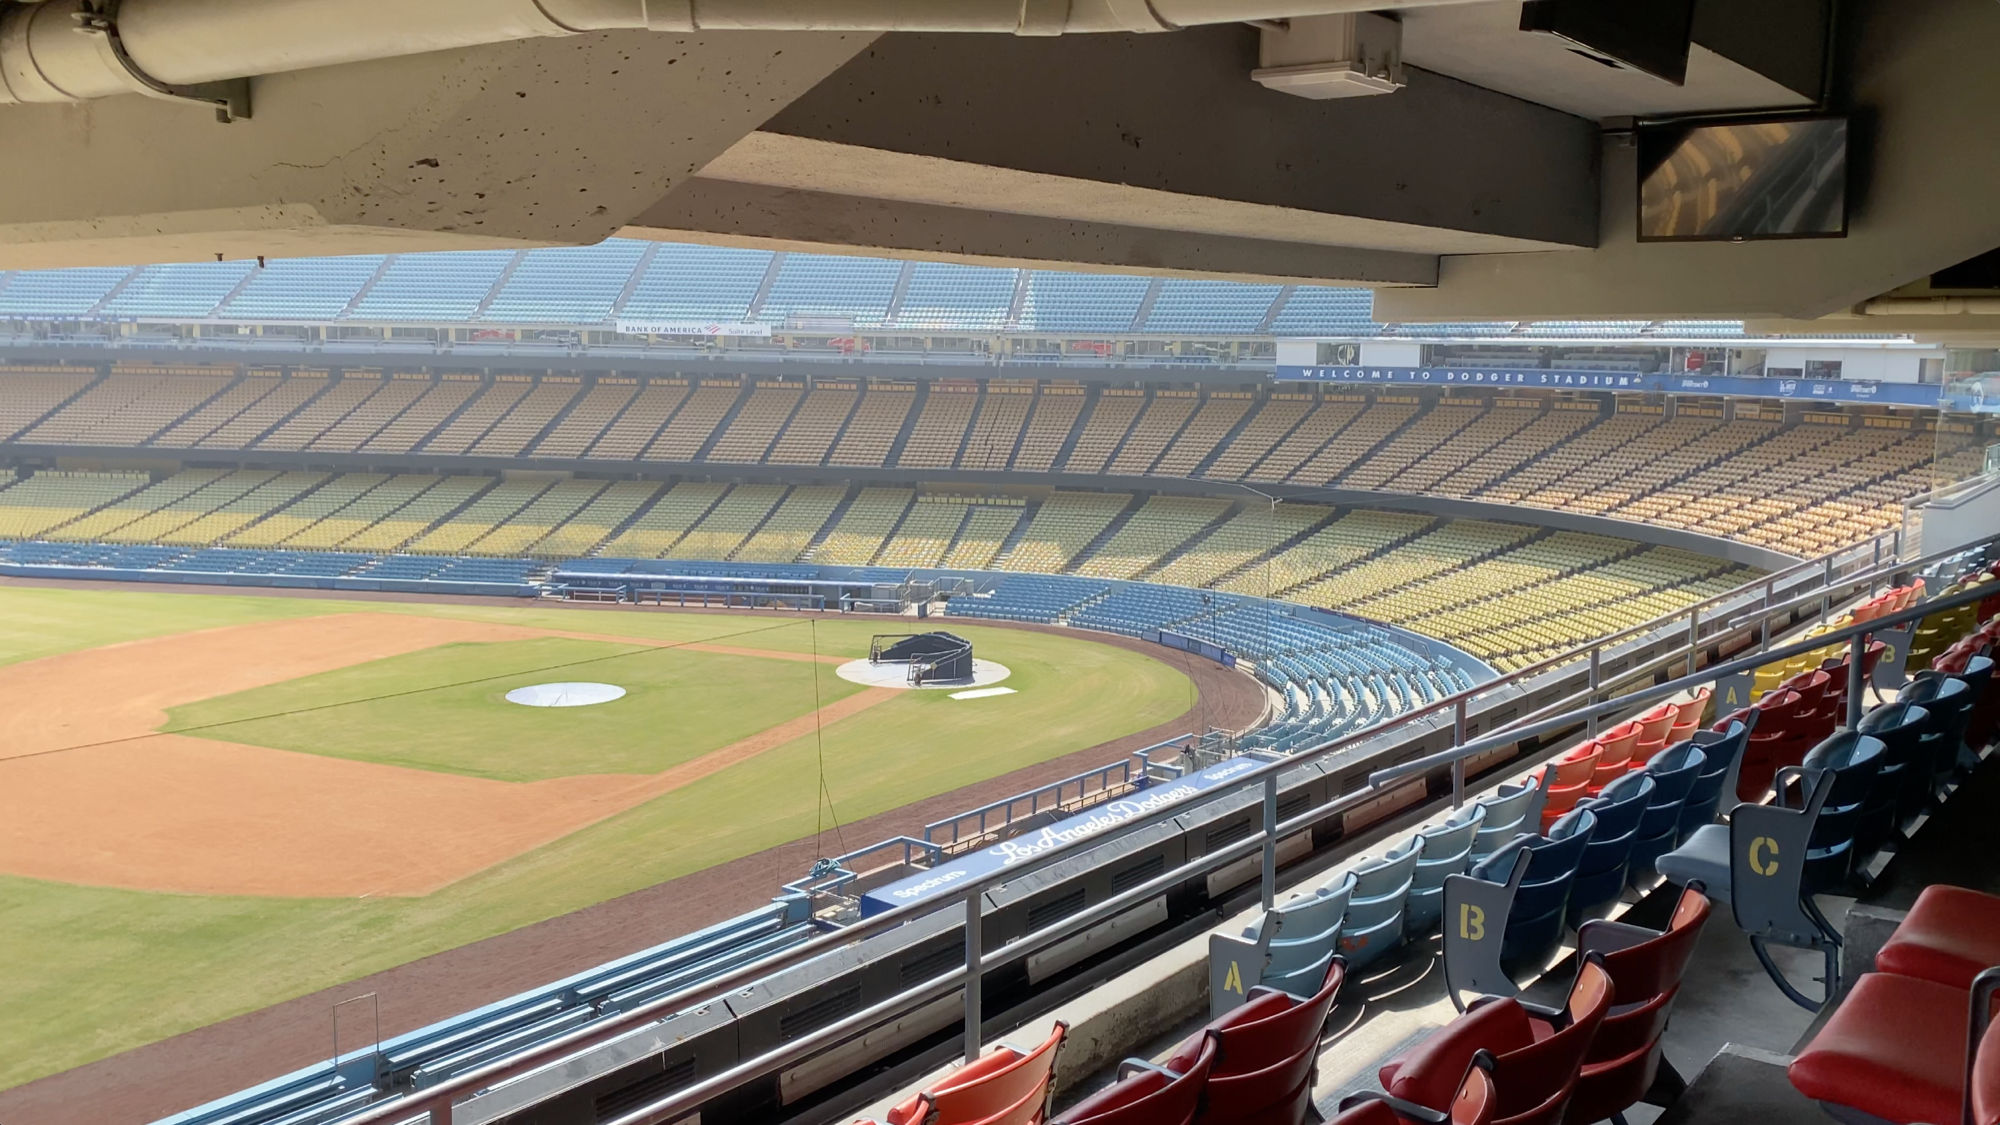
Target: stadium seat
x: 1900, y: 1049
x: 1674, y: 771
x: 1473, y: 1103
x: 1537, y: 1053
x: 1616, y: 749
x: 1950, y: 936
x: 1511, y: 811
x: 1519, y: 894
x: 1903, y: 783
x: 1004, y: 1086
x: 1948, y: 702
x: 1654, y: 727
x: 1601, y: 872
x: 1782, y: 736
x: 1305, y: 935
x: 1567, y: 779
x: 1688, y: 715
x: 1377, y: 910
x: 1265, y: 1057
x: 1722, y: 751
x: 1447, y: 850
x: 1769, y: 861
x: 1148, y: 1095
x: 1646, y: 967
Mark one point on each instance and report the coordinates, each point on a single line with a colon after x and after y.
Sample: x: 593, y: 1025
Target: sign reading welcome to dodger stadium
x: 1821, y: 390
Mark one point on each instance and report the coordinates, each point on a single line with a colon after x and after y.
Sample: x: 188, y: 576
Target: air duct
x: 74, y: 50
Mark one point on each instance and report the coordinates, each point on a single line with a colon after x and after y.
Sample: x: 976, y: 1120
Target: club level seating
x: 698, y: 283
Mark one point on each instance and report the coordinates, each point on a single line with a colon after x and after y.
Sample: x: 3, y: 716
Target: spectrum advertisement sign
x: 1007, y: 853
x: 1742, y: 386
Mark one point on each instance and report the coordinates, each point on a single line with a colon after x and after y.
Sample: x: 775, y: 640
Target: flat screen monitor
x: 1739, y: 180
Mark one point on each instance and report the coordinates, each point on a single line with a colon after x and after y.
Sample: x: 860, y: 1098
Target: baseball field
x: 211, y: 803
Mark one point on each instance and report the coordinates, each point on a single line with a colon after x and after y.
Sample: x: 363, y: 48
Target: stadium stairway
x: 909, y: 426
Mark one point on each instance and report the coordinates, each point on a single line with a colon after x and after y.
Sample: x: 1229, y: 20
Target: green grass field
x: 89, y: 971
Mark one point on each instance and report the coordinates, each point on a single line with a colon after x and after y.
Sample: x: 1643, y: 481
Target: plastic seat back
x: 1545, y: 1070
x: 1568, y: 778
x: 1011, y: 1094
x: 1512, y: 810
x: 1674, y: 772
x: 1375, y: 912
x: 1600, y: 876
x: 1854, y: 759
x: 1265, y: 1061
x: 1688, y: 715
x: 1534, y: 921
x: 1949, y: 704
x: 1904, y: 777
x: 1148, y: 1095
x: 1724, y: 753
x: 1782, y: 737
x: 1615, y: 750
x: 1447, y: 851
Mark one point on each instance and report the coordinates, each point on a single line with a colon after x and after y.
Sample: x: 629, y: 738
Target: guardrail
x: 435, y: 1103
x: 972, y: 828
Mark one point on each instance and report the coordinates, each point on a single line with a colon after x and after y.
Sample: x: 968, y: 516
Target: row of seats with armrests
x: 1913, y: 1040
x: 1507, y: 895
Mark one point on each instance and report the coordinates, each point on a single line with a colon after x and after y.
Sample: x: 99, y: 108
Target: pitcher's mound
x: 896, y: 674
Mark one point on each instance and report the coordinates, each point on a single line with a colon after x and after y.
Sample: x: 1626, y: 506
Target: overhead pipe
x: 75, y: 50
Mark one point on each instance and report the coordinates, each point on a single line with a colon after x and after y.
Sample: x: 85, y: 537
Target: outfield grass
x: 444, y: 708
x: 87, y: 972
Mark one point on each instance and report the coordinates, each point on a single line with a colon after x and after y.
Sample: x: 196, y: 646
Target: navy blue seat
x: 1855, y: 759
x: 1535, y: 921
x: 1949, y: 701
x: 1903, y: 783
x: 1749, y: 863
x: 1600, y: 874
x: 1724, y: 753
x: 1674, y: 772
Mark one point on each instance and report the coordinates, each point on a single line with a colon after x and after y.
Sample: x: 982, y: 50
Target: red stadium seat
x: 1472, y: 1105
x: 1617, y: 747
x: 1781, y: 738
x: 1950, y: 936
x: 1898, y: 1048
x: 1688, y: 716
x: 1005, y: 1086
x: 1566, y: 779
x: 1265, y: 1057
x: 1646, y: 968
x: 1148, y: 1095
x: 1537, y: 1054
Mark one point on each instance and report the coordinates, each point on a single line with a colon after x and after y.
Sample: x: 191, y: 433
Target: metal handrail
x: 437, y: 1100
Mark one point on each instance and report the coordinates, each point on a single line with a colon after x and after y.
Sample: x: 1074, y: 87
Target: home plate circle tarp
x: 565, y: 694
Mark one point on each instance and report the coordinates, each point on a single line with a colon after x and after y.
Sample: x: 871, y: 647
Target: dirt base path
x: 90, y: 793
x: 150, y: 1082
